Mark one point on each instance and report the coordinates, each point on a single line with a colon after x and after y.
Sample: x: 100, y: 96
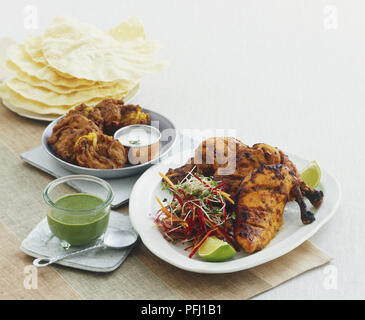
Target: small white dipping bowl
x: 142, y: 142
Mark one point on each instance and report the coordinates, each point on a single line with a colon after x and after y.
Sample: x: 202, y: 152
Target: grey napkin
x: 42, y: 243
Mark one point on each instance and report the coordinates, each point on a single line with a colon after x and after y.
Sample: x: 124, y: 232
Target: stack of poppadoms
x: 74, y: 63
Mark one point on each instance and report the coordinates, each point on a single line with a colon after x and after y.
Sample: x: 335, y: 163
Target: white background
x: 278, y: 72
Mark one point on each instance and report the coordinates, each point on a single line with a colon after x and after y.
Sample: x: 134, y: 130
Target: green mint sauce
x: 78, y: 227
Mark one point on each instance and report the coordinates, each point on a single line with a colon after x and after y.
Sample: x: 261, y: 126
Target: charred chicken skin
x: 261, y: 179
x: 260, y: 205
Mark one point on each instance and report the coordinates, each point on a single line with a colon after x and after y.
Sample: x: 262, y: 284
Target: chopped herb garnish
x: 165, y: 185
x: 214, y: 183
x: 134, y: 142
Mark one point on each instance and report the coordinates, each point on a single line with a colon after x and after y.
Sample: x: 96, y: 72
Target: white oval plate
x: 51, y: 117
x: 142, y: 206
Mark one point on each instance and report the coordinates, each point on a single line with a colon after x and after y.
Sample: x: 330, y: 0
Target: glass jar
x: 78, y: 218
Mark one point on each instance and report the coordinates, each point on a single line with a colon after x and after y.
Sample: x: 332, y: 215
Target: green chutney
x: 80, y: 223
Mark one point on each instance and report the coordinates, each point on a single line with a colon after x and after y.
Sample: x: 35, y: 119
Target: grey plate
x: 167, y: 141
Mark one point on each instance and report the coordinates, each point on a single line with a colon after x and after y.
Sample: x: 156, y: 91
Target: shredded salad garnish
x: 196, y: 212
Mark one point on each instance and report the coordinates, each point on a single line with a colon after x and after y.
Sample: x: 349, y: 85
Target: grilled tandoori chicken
x: 261, y: 179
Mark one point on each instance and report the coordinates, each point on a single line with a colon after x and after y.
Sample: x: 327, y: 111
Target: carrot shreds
x: 227, y: 196
x: 197, y: 210
x: 165, y: 211
x: 167, y: 180
x: 196, y: 248
x: 163, y: 208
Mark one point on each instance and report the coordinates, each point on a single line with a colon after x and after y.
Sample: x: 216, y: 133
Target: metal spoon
x: 113, y: 239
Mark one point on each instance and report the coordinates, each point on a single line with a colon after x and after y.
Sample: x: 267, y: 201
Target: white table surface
x: 274, y: 71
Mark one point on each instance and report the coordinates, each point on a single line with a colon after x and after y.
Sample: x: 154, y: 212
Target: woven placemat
x: 142, y: 275
x: 19, y: 279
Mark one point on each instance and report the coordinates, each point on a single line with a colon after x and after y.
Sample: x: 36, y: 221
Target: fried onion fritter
x: 117, y: 115
x: 133, y: 114
x: 67, y: 131
x: 110, y: 112
x: 91, y: 113
x: 99, y: 151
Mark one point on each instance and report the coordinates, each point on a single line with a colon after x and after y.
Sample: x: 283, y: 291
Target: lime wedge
x: 311, y: 174
x: 216, y: 250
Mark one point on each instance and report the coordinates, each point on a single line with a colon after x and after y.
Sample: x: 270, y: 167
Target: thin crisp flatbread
x: 20, y: 75
x: 17, y: 55
x: 129, y: 30
x: 51, y: 98
x: 74, y: 63
x: 20, y: 102
x: 86, y: 52
x: 33, y: 47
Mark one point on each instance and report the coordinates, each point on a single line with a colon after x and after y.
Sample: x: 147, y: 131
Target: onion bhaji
x: 67, y: 131
x: 117, y: 115
x: 91, y: 113
x: 133, y: 114
x: 110, y: 112
x: 99, y: 151
x: 83, y: 136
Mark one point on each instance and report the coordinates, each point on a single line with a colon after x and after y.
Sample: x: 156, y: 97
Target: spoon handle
x: 42, y: 262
